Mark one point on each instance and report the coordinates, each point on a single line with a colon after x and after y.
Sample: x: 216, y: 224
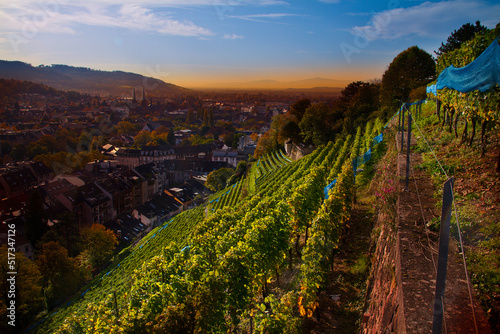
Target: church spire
x: 134, y: 100
x: 144, y: 102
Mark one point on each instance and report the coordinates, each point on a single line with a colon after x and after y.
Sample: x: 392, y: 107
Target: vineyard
x: 257, y: 255
x: 254, y: 258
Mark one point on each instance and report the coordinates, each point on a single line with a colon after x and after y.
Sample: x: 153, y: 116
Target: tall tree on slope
x: 457, y: 37
x: 410, y: 69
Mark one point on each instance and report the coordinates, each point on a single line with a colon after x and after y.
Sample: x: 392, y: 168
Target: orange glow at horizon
x: 275, y: 79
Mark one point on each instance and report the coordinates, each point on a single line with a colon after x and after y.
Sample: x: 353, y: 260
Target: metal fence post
x: 444, y: 241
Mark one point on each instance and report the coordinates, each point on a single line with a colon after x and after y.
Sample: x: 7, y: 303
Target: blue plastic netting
x: 482, y: 74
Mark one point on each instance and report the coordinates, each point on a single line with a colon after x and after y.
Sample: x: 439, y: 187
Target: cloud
x: 428, y: 19
x: 233, y: 36
x: 63, y: 19
x: 261, y: 17
x: 330, y: 1
x: 146, y: 3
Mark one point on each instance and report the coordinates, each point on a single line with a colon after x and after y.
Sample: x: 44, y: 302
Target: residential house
x: 17, y: 181
x: 181, y: 195
x: 136, y: 181
x: 156, y: 211
x: 155, y: 175
x: 100, y: 166
x: 88, y: 203
x: 118, y: 191
x: 41, y: 172
x: 151, y: 126
x: 226, y: 154
x: 50, y: 191
x: 127, y: 228
x: 128, y: 157
x: 156, y: 153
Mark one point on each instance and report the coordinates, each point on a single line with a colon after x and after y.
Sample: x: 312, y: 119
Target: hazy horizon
x: 229, y: 43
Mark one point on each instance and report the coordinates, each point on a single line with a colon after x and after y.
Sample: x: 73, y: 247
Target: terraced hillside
x: 254, y: 257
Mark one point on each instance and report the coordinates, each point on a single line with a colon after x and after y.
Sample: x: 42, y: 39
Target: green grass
x: 476, y: 199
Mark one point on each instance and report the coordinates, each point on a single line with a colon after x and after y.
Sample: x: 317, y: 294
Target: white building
x: 225, y: 154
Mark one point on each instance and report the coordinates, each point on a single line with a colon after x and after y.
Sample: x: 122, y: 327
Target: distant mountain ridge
x: 86, y: 80
x: 311, y: 83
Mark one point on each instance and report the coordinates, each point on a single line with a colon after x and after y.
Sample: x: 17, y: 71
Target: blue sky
x: 197, y: 43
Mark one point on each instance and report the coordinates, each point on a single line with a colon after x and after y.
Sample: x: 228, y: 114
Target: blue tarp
x: 482, y: 74
x: 431, y: 89
x: 328, y: 187
x: 364, y: 158
x: 378, y: 139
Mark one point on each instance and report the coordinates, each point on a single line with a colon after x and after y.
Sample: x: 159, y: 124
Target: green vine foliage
x: 473, y: 105
x: 226, y: 279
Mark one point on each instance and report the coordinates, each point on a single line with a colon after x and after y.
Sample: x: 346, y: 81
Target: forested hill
x: 10, y: 88
x: 86, y: 80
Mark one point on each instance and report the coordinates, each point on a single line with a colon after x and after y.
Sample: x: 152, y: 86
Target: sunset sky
x: 214, y: 43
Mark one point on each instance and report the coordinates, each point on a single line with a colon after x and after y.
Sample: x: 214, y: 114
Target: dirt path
x: 341, y: 303
x: 419, y: 250
x: 402, y: 285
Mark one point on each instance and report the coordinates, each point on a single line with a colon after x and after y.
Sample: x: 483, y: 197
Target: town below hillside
x: 126, y: 163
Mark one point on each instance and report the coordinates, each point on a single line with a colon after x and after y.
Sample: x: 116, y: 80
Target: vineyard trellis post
x: 444, y: 241
x: 408, y: 151
x: 403, y: 127
x: 399, y: 118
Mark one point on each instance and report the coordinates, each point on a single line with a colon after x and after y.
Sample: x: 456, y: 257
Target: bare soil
x: 340, y: 305
x: 419, y: 253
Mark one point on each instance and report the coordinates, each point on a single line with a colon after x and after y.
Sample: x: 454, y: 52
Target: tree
x: 211, y: 120
x: 62, y: 275
x: 267, y: 143
x: 18, y: 152
x: 190, y: 116
x: 361, y: 107
x: 229, y: 138
x: 28, y: 290
x: 142, y: 138
x: 171, y: 137
x: 410, y: 69
x: 99, y: 244
x: 67, y: 228
x: 348, y: 93
x: 457, y: 37
x: 126, y: 128
x: 314, y: 124
x: 298, y: 109
x: 217, y: 179
x: 241, y: 168
x: 288, y: 128
x: 5, y: 148
x: 208, y: 117
x: 36, y: 222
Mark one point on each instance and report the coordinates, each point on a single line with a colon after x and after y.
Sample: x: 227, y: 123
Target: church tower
x: 144, y: 102
x: 134, y: 100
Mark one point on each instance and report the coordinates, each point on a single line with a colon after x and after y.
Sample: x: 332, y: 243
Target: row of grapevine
x: 475, y: 104
x: 121, y: 274
x: 266, y: 167
x: 119, y: 277
x: 326, y: 230
x: 245, y: 225
x: 227, y: 196
x: 474, y: 107
x: 341, y: 158
x: 216, y: 275
x: 288, y: 178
